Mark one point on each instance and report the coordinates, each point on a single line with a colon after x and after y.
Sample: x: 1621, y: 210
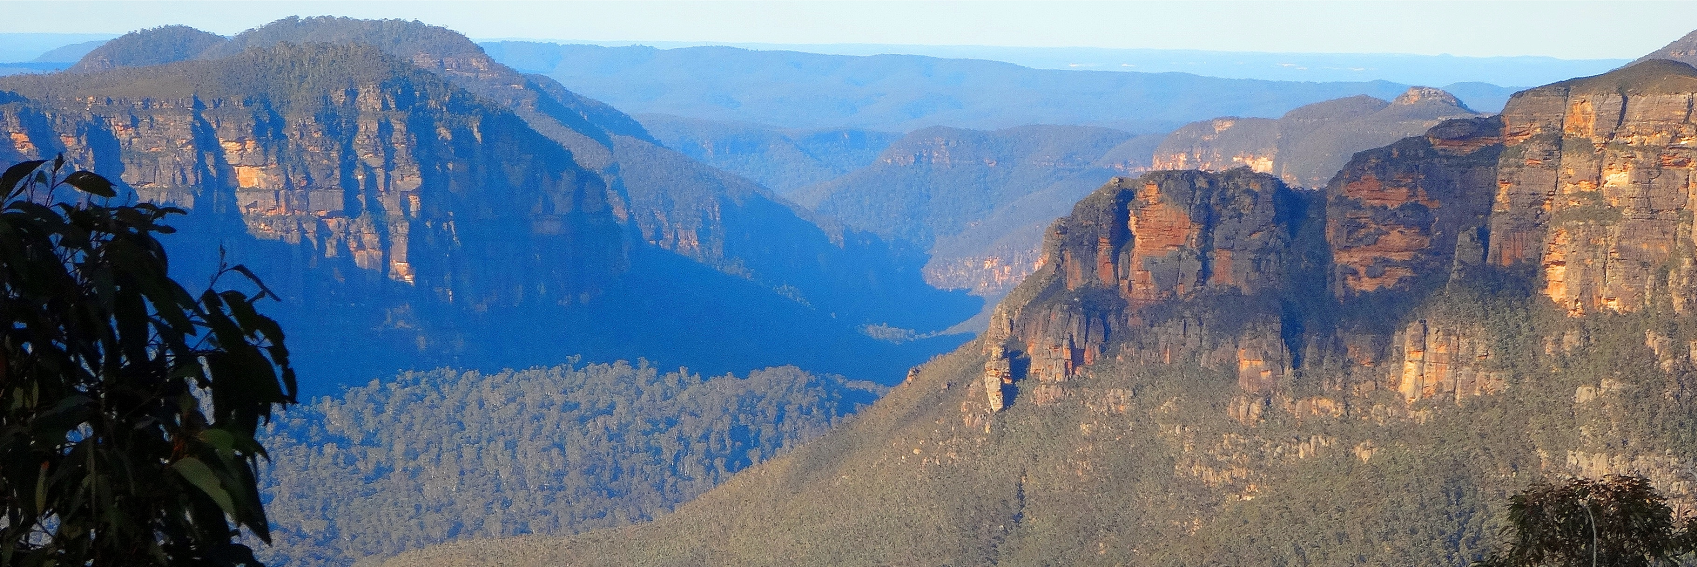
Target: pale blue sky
x: 1620, y: 29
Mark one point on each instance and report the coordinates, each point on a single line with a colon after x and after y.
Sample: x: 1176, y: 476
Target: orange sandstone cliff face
x: 392, y: 174
x: 1595, y: 187
x: 1138, y: 245
x: 1412, y: 209
x: 1582, y: 189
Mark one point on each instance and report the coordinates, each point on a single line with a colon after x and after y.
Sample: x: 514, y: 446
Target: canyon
x: 1223, y: 367
x: 407, y: 189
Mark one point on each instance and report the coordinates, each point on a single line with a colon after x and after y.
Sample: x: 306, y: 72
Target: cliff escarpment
x: 1217, y: 368
x: 418, y: 205
x: 672, y: 201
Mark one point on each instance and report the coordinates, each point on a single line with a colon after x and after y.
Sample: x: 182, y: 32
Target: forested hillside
x: 1215, y: 368
x: 430, y: 457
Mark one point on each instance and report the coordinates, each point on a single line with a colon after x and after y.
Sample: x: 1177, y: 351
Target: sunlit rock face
x: 396, y: 174
x: 1139, y: 245
x: 1582, y: 188
x: 1595, y: 185
x: 1412, y: 209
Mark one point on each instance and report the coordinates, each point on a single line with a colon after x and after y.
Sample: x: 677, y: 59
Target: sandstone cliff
x: 395, y: 184
x: 672, y: 202
x: 1587, y: 183
x: 1216, y: 368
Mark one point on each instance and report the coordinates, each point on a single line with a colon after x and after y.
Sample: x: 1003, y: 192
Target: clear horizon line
x: 680, y: 44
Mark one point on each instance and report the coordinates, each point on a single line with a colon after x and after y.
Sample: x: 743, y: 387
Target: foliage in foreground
x: 1617, y: 520
x: 128, y: 406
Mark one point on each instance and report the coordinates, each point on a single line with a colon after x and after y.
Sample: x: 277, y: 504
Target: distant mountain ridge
x: 1511, y: 72
x: 1216, y: 368
x: 1308, y: 145
x: 901, y: 92
x: 978, y: 200
x: 781, y: 160
x: 433, y: 238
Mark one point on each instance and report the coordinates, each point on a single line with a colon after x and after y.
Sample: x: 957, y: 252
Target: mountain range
x: 901, y: 93
x: 1457, y: 73
x: 1351, y: 353
x: 449, y: 211
x: 1306, y: 146
x: 1216, y: 367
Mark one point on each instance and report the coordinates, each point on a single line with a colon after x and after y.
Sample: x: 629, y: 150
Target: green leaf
x: 202, y: 477
x: 41, y: 490
x: 16, y: 174
x: 91, y: 182
x: 219, y: 439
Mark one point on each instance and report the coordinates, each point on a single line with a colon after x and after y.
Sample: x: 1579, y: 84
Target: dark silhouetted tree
x: 128, y: 406
x: 1615, y: 521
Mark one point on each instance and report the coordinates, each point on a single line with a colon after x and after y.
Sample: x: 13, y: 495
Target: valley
x: 574, y: 304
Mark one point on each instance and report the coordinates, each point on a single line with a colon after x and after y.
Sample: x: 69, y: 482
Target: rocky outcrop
x: 1221, y: 144
x: 1445, y: 361
x: 1307, y: 145
x: 1595, y: 184
x: 1586, y: 185
x: 1129, y: 252
x: 1414, y: 209
x: 389, y: 173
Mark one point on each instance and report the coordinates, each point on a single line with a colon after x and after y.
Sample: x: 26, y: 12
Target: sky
x: 1573, y: 30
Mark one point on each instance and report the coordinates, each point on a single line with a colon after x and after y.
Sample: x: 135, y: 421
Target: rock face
x: 1583, y: 188
x: 1414, y: 209
x: 391, y: 174
x: 1595, y: 185
x: 390, y: 180
x: 1307, y: 145
x: 1137, y: 248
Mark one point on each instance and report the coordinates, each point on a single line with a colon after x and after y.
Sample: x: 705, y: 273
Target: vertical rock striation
x: 1114, y: 270
x: 1582, y: 188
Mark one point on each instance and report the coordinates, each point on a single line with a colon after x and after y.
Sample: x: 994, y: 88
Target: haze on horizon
x: 1468, y: 29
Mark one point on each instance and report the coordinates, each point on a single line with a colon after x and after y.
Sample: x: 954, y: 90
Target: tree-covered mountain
x: 1217, y: 368
x: 155, y: 46
x: 412, y: 221
x: 426, y: 458
x: 901, y: 93
x: 1309, y: 144
x: 779, y: 159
